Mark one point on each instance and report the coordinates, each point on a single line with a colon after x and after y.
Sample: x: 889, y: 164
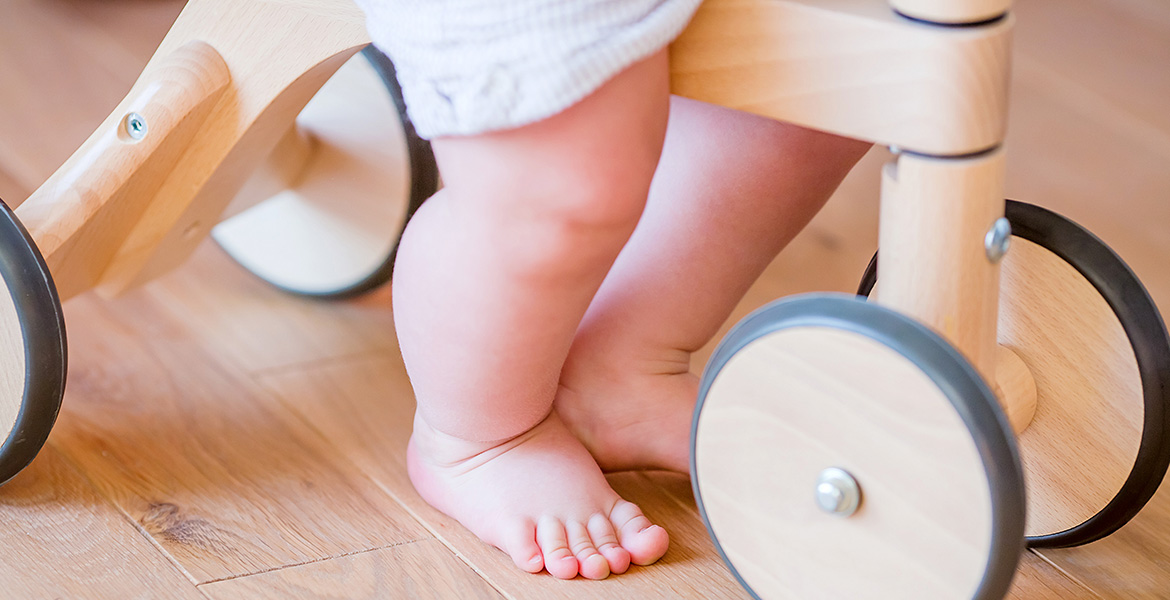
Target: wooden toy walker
x: 841, y: 448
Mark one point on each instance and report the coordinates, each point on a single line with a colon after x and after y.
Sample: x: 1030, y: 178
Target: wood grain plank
x: 1036, y: 579
x: 137, y: 26
x: 259, y: 328
x: 419, y: 570
x: 60, y: 539
x: 1116, y: 50
x: 213, y: 468
x: 1132, y: 563
x: 368, y: 414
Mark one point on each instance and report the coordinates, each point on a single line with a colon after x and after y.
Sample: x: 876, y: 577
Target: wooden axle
x: 1014, y: 385
x: 284, y: 168
x: 1016, y: 389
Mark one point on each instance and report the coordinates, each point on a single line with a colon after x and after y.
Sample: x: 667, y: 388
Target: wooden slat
x: 420, y: 570
x: 60, y: 539
x: 849, y: 67
x: 365, y: 407
x: 222, y: 477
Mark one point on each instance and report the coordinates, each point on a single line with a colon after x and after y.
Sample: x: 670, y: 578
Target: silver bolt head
x: 998, y: 240
x: 134, y: 125
x: 830, y: 497
x: 838, y: 492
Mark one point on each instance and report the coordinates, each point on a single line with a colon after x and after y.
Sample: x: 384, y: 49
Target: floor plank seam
x: 225, y: 371
x: 386, y: 488
x: 1062, y: 571
x: 321, y: 363
x: 442, y: 540
x: 125, y: 515
x: 311, y: 562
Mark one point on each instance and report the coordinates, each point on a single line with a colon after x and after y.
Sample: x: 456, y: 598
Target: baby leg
x: 493, y: 276
x: 731, y: 191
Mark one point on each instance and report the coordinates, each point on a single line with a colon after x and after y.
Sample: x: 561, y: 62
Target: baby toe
x: 645, y: 541
x: 554, y: 546
x: 605, y: 540
x: 591, y: 563
x: 520, y: 544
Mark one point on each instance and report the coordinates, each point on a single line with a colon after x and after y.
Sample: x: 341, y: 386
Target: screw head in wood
x: 998, y: 239
x: 134, y: 125
x: 838, y: 492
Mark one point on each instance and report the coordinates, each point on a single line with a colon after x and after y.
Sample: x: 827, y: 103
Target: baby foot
x: 539, y: 497
x: 630, y: 416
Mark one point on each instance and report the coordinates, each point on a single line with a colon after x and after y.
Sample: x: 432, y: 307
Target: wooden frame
x: 217, y: 99
x: 939, y: 93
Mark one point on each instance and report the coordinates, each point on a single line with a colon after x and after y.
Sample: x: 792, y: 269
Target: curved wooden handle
x: 85, y: 210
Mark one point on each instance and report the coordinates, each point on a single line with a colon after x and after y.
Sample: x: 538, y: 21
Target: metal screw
x: 838, y: 492
x: 135, y: 126
x: 998, y: 239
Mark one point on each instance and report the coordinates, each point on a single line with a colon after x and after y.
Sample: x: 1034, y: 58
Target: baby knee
x: 600, y: 202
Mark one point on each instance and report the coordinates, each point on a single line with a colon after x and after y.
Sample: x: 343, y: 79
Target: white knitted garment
x: 473, y: 66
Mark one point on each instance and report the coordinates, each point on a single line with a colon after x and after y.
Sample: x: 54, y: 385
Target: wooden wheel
x: 1097, y: 348
x: 325, y: 221
x: 32, y: 348
x: 821, y: 382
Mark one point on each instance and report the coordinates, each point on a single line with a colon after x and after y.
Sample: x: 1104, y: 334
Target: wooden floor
x: 222, y: 440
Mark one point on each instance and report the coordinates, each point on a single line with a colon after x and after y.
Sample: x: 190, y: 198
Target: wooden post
x: 935, y: 215
x: 952, y: 12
